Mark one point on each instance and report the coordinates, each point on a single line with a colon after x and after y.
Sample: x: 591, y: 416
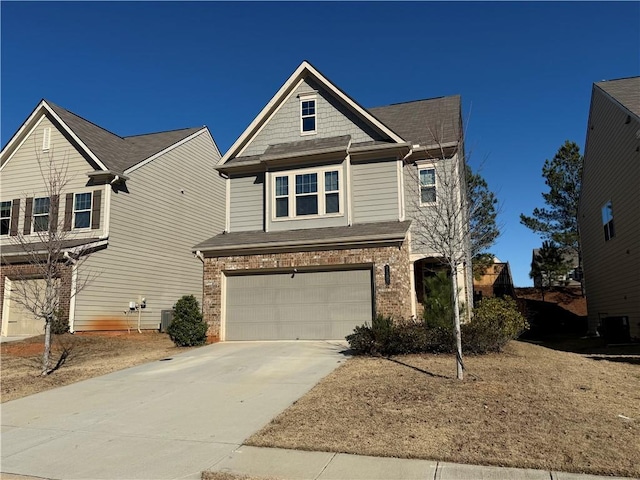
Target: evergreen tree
x: 548, y: 264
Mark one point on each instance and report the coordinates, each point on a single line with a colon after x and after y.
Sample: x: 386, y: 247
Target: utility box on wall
x: 166, y: 317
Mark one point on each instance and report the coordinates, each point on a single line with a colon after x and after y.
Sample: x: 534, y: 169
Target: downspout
x: 349, y: 187
x: 73, y: 292
x: 107, y: 207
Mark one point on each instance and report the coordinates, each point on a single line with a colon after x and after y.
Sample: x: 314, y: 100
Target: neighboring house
x: 136, y: 204
x: 496, y: 281
x: 570, y: 279
x: 609, y: 212
x: 319, y: 198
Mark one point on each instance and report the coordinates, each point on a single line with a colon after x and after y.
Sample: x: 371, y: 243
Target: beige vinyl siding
x: 246, y: 204
x: 21, y: 176
x: 375, y: 191
x: 611, y: 173
x: 332, y: 119
x: 171, y: 204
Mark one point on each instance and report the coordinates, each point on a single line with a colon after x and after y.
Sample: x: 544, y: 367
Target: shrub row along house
x: 304, y: 229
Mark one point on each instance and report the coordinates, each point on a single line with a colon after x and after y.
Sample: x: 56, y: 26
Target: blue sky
x: 524, y: 70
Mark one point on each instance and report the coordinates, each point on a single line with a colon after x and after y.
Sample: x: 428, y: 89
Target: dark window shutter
x: 28, y: 211
x: 68, y: 212
x: 95, y: 209
x: 15, y: 215
x: 53, y: 213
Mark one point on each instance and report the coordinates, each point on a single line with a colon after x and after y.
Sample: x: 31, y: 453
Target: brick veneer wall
x: 393, y: 299
x: 27, y: 271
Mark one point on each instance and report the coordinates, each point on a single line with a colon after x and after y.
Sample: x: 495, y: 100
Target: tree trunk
x: 456, y: 322
x: 46, y: 356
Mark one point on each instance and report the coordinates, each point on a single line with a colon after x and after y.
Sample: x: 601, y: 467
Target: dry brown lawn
x: 91, y: 355
x: 528, y: 407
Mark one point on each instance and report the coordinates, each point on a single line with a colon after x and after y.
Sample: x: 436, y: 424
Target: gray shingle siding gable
x: 333, y: 119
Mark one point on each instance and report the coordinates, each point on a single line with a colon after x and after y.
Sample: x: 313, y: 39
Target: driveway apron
x: 164, y: 420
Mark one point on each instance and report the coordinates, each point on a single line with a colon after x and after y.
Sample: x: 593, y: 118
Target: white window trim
x: 306, y: 98
x: 435, y: 184
x: 9, y: 217
x: 34, y: 215
x: 74, y: 211
x: 291, y: 174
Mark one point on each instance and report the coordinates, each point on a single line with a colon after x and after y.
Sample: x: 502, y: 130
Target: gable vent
x: 46, y: 138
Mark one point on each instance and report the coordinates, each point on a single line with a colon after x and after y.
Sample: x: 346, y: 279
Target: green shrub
x: 187, y: 328
x: 438, y: 305
x: 388, y: 337
x: 59, y: 324
x: 495, y: 322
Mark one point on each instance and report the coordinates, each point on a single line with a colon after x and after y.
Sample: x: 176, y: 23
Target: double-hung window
x: 82, y: 210
x: 5, y: 217
x: 427, y: 185
x: 307, y: 115
x: 315, y: 193
x: 41, y: 214
x: 607, y: 221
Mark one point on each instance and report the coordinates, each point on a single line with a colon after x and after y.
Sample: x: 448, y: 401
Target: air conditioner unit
x: 166, y: 317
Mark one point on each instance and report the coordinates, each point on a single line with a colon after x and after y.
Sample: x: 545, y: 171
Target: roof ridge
x: 416, y: 101
x: 162, y: 131
x: 616, y: 79
x: 51, y: 104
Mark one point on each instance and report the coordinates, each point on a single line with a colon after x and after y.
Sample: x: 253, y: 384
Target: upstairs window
x: 5, y: 218
x: 315, y: 193
x: 41, y: 214
x: 607, y: 221
x: 427, y: 186
x: 82, y: 210
x: 307, y: 194
x: 307, y: 115
x: 282, y: 197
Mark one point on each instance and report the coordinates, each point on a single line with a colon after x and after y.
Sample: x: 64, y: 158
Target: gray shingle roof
x: 297, y: 239
x: 424, y: 122
x: 119, y: 153
x: 625, y: 91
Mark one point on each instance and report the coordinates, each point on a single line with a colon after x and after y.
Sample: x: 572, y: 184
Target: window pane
x: 5, y: 209
x: 330, y: 181
x: 428, y: 194
x: 282, y: 186
x: 282, y: 207
x: 41, y: 223
x: 83, y: 220
x: 607, y: 213
x: 4, y: 226
x: 307, y: 183
x: 308, y: 124
x: 427, y: 177
x: 309, y: 107
x: 332, y: 203
x: 83, y: 201
x: 41, y: 205
x: 307, y: 205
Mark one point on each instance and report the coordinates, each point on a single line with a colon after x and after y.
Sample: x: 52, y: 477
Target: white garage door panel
x: 305, y: 305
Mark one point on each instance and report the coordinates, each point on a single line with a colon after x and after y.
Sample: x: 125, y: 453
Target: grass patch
x: 529, y: 407
x: 90, y: 355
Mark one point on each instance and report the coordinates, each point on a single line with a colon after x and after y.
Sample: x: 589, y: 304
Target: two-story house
x: 609, y: 211
x: 127, y: 213
x: 320, y: 196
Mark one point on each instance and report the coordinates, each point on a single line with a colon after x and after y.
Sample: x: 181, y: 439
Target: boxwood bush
x: 495, y: 322
x: 187, y: 329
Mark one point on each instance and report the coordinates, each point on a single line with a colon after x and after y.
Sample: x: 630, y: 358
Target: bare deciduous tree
x: 442, y: 213
x: 48, y: 254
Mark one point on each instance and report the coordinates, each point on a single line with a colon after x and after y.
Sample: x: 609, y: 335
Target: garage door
x: 297, y: 306
x: 16, y: 319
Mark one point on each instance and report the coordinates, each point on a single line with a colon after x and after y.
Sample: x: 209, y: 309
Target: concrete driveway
x: 164, y: 420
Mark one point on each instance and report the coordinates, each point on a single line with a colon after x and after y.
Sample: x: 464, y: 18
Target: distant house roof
x: 626, y: 91
x: 119, y: 153
x: 106, y: 149
x: 313, y: 237
x: 425, y: 122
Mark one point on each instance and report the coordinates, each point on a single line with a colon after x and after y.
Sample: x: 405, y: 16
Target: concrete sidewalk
x: 300, y: 465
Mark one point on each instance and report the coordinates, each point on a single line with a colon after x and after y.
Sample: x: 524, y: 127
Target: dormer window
x: 307, y: 114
